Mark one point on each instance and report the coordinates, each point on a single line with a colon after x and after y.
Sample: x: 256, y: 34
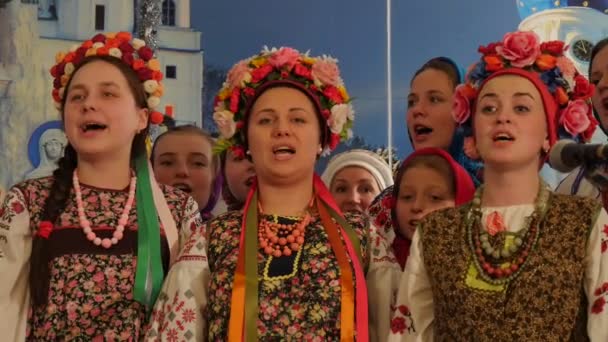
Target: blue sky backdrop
x: 354, y: 31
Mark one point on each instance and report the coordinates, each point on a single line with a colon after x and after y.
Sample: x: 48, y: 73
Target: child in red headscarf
x: 428, y: 180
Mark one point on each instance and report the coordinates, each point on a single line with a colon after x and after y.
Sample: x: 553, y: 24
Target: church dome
x: 528, y: 7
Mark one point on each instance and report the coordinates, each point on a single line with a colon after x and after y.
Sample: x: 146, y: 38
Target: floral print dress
x: 91, y: 288
x: 299, y: 295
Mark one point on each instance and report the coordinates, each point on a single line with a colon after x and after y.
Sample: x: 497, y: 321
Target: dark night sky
x: 354, y: 31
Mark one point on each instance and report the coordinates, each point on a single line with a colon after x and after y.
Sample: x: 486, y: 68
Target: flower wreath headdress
x: 319, y: 77
x: 566, y: 93
x: 132, y: 51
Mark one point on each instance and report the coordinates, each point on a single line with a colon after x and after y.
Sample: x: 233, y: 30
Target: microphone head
x: 556, y: 160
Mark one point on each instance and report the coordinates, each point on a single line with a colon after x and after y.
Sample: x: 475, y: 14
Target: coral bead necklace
x: 278, y: 239
x: 85, y: 224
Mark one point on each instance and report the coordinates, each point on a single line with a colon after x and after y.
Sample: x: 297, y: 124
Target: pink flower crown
x: 121, y: 45
x: 571, y: 91
x: 318, y: 76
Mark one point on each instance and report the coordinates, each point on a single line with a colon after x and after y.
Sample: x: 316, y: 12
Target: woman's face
x: 100, y: 114
x: 184, y: 160
x: 510, y: 124
x: 354, y: 188
x: 599, y: 77
x: 239, y: 175
x: 283, y: 135
x: 429, y: 110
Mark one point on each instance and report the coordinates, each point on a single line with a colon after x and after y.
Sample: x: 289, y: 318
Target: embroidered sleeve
x: 413, y: 316
x: 596, y: 279
x: 382, y: 281
x: 179, y: 313
x: 15, y: 250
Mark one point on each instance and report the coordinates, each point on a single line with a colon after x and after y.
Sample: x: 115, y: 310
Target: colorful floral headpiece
x: 132, y: 51
x: 565, y: 90
x: 319, y: 77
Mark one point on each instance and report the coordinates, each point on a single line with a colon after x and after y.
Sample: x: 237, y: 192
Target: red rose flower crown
x: 132, y: 51
x: 571, y: 91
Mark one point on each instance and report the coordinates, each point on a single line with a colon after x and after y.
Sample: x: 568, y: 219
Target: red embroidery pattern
x: 172, y: 326
x: 598, y: 305
x: 402, y: 321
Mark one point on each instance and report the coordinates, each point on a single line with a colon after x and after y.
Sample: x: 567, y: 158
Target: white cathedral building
x: 63, y: 23
x: 33, y: 31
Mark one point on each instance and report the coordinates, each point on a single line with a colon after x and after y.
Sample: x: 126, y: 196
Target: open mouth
x: 503, y: 137
x: 413, y: 223
x: 422, y: 130
x: 249, y: 181
x: 283, y: 149
x: 92, y: 126
x: 183, y: 187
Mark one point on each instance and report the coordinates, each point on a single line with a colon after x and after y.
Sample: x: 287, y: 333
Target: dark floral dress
x: 299, y: 295
x: 91, y: 288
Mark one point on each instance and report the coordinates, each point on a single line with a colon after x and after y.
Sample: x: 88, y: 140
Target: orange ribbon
x: 347, y: 306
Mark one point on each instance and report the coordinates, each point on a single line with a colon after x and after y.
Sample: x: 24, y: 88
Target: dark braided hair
x: 61, y: 189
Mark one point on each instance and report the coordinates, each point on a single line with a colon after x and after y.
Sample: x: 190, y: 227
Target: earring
x: 320, y: 150
x: 248, y: 152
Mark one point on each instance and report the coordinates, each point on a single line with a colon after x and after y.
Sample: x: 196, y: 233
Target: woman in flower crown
x: 592, y: 181
x: 82, y: 252
x: 518, y: 263
x: 290, y: 265
x: 429, y: 124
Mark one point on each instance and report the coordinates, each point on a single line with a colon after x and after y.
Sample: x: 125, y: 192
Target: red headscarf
x: 463, y: 187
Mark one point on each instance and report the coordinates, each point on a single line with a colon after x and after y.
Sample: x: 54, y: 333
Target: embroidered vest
x: 545, y: 302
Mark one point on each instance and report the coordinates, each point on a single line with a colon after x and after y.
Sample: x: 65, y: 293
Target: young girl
x: 82, y: 252
x: 355, y: 178
x: 428, y: 180
x: 238, y: 175
x: 518, y: 263
x: 580, y: 182
x: 182, y: 157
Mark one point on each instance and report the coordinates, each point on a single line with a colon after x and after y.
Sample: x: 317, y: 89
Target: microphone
x: 566, y: 155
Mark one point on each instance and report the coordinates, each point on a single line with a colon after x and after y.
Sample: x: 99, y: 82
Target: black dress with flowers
x: 299, y: 296
x: 91, y: 288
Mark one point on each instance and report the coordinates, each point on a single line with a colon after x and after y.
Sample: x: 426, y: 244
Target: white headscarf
x: 368, y: 160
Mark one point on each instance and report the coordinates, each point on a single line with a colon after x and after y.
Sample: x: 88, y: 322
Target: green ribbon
x: 149, y: 274
x: 251, y: 270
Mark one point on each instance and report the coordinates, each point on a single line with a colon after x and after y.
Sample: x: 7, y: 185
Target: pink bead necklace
x: 85, y: 224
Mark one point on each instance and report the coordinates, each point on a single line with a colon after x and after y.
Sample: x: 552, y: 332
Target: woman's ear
x: 142, y: 119
x: 546, y: 145
x: 470, y: 148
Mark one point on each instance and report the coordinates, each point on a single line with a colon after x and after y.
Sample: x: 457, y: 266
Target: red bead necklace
x: 278, y: 239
